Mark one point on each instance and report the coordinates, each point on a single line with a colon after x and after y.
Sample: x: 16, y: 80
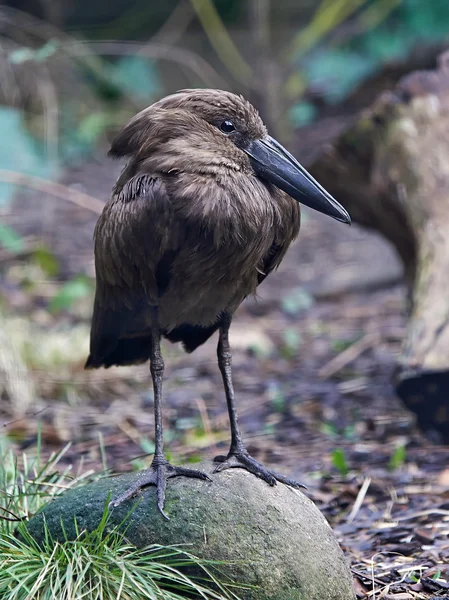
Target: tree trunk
x: 391, y: 171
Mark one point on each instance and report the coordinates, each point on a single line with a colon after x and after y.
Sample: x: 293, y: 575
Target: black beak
x: 275, y: 164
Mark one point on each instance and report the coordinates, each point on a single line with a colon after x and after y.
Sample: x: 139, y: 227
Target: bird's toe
x: 243, y: 460
x: 190, y: 473
x: 158, y: 474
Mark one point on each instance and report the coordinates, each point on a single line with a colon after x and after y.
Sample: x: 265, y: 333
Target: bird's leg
x: 238, y: 455
x: 160, y: 469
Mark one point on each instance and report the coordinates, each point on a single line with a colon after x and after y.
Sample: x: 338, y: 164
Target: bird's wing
x: 135, y: 241
x: 133, y: 234
x: 193, y: 336
x: 272, y: 259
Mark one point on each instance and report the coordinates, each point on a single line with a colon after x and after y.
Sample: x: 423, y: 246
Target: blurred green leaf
x: 329, y: 429
x: 383, y: 31
x: 194, y: 458
x: 397, y: 459
x: 10, y: 240
x: 46, y: 261
x: 297, y: 301
x: 186, y: 423
x: 147, y: 445
x: 21, y: 55
x: 339, y: 461
x: 292, y: 341
x: 384, y: 47
x: 260, y: 350
x: 336, y: 71
x: 47, y: 50
x: 349, y: 432
x: 138, y: 76
x: 93, y: 126
x: 276, y: 396
x: 278, y: 403
x: 269, y: 428
x: 292, y: 338
x: 21, y: 152
x: 340, y: 345
x: 302, y: 114
x: 295, y: 85
x: 70, y: 292
x: 425, y: 20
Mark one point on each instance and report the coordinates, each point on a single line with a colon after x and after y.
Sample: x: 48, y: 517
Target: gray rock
x: 274, y: 538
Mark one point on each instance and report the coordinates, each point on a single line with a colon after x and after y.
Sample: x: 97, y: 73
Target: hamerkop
x: 203, y: 211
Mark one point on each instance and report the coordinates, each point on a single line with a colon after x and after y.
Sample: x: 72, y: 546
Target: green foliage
x: 384, y: 31
x: 147, y: 445
x: 339, y: 461
x: 340, y: 345
x: 138, y: 77
x: 423, y: 20
x: 397, y: 459
x: 278, y: 403
x: 131, y: 77
x: 10, y: 240
x: 113, y: 87
x: 302, y: 113
x: 97, y: 565
x: 24, y: 54
x: 337, y: 71
x: 291, y: 343
x: 75, y: 289
x: 260, y: 350
x: 330, y: 429
x: 26, y: 484
x: 277, y: 397
x: 92, y: 127
x: 20, y: 153
x: 296, y: 301
x: 47, y: 261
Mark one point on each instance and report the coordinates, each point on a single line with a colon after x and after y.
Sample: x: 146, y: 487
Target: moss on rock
x: 273, y: 538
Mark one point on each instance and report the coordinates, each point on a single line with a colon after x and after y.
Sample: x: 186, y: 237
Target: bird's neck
x: 234, y: 206
x: 196, y: 157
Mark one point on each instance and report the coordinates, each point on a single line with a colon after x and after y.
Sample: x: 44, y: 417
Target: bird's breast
x: 195, y: 245
x: 230, y: 225
x: 206, y: 280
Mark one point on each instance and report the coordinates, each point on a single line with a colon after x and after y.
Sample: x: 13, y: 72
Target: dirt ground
x: 313, y: 357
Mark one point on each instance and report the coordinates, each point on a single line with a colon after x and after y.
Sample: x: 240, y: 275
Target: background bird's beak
x: 273, y: 162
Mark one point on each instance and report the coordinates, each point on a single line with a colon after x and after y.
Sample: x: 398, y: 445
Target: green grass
x: 97, y: 565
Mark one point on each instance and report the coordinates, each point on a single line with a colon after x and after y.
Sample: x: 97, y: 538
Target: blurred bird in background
x: 205, y: 208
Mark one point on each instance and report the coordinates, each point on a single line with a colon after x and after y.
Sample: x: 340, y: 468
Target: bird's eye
x: 227, y: 126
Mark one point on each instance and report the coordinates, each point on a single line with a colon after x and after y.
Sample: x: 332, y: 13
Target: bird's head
x: 212, y: 131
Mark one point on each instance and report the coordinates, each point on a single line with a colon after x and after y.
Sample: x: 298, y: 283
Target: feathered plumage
x: 205, y: 208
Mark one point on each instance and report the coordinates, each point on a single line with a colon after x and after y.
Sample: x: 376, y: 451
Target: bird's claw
x: 241, y: 459
x: 158, y: 474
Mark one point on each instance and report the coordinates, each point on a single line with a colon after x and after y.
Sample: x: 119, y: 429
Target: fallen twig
x: 59, y: 190
x: 359, y: 500
x: 347, y: 356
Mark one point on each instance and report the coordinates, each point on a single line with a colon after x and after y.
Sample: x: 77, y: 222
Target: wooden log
x: 390, y: 169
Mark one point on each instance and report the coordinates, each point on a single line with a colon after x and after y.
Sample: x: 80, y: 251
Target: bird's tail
x: 125, y: 351
x: 191, y: 336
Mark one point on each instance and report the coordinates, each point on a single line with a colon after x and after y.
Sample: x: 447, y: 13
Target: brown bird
x: 203, y: 211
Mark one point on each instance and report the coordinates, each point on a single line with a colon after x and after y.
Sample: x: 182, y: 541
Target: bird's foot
x: 158, y: 474
x: 240, y: 458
